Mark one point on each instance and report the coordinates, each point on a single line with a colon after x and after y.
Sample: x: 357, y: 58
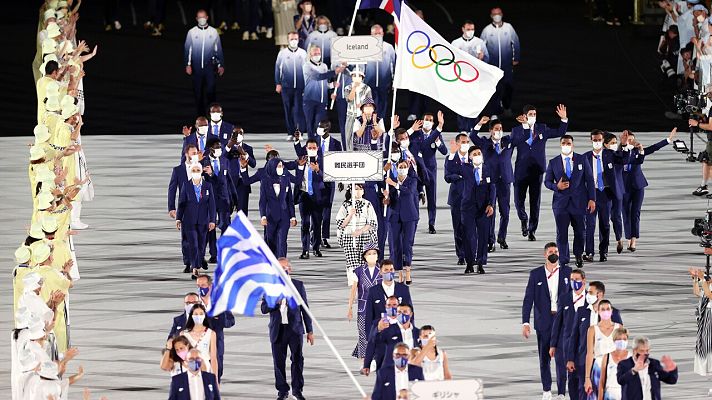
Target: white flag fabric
x: 430, y: 65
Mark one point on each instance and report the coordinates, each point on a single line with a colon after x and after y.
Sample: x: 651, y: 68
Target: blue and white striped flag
x: 247, y: 271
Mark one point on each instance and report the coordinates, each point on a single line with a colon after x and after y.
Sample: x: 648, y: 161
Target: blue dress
x: 365, y: 282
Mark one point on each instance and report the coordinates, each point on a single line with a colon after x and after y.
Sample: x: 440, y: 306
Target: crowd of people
x: 59, y: 182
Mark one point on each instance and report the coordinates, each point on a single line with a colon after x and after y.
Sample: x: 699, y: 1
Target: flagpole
x: 351, y: 29
x: 391, y: 132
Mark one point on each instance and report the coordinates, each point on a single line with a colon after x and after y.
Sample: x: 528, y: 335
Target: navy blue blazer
x: 320, y: 189
x: 391, y: 336
x: 500, y: 164
x: 376, y: 303
x: 476, y: 198
x: 277, y: 207
x: 453, y: 176
x: 180, y: 390
x: 403, y: 204
x: 298, y: 319
x: 577, y: 343
x: 385, y: 387
x: 225, y: 132
x: 630, y: 381
x: 611, y: 163
x: 634, y: 177
x: 192, y: 212
x: 179, y: 176
x: 193, y: 139
x: 222, y: 183
x: 533, y: 159
x: 563, y: 322
x: 233, y: 156
x: 581, y: 189
x: 179, y: 322
x: 537, y: 296
x: 427, y: 148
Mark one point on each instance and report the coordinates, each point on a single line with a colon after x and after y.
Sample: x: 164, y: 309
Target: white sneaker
x: 268, y: 35
x: 561, y: 397
x: 117, y: 25
x: 78, y: 225
x: 245, y: 35
x: 253, y: 36
x: 546, y: 396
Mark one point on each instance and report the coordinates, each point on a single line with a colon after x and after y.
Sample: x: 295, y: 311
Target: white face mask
x: 497, y: 18
x: 566, y: 150
x: 497, y: 135
x: 203, y: 130
x: 239, y: 138
x: 531, y: 120
x: 395, y: 156
x: 469, y: 34
x: 477, y: 160
x: 464, y: 147
x: 591, y: 298
x: 629, y: 147
x: 323, y: 27
x: 404, y: 144
x: 427, y: 125
x: 195, y: 176
x: 215, y: 117
x: 217, y: 153
x: 280, y: 171
x: 371, y: 258
x: 320, y: 131
x: 613, y: 147
x: 700, y: 18
x: 356, y: 79
x: 402, y: 171
x: 202, y: 21
x: 312, y: 153
x: 194, y: 159
x: 316, y: 59
x: 597, y: 145
x: 293, y: 43
x: 198, y: 319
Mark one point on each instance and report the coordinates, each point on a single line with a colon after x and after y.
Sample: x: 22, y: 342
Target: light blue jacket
x: 379, y: 74
x: 316, y: 85
x: 502, y: 44
x: 288, y: 68
x: 201, y: 46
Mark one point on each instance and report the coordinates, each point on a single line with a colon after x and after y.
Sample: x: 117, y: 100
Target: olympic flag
x: 430, y: 65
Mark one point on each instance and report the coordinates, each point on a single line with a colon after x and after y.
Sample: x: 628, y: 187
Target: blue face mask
x: 204, y: 291
x: 194, y: 365
x: 403, y: 318
x: 389, y: 276
x: 392, y: 312
x: 576, y: 285
x: 400, y: 362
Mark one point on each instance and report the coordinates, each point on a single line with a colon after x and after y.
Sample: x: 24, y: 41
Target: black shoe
x: 325, y: 244
x: 460, y: 261
x: 525, y: 228
x: 186, y: 270
x: 631, y: 249
x: 588, y: 257
x: 480, y: 270
x: 603, y: 258
x: 431, y: 230
x: 204, y: 264
x: 502, y: 243
x: 532, y: 238
x: 701, y: 191
x: 213, y: 260
x: 305, y: 255
x: 469, y: 269
x: 317, y: 253
x: 579, y: 262
x: 490, y: 248
x: 619, y: 248
x: 282, y: 396
x: 298, y: 396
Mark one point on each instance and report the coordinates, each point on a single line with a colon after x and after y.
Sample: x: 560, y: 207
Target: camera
x: 689, y: 102
x: 667, y: 69
x: 702, y: 228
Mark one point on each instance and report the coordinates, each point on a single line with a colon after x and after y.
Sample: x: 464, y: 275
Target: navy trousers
x: 431, y: 191
x: 293, y: 109
x: 203, y: 88
x: 276, y: 237
x: 341, y: 107
x: 617, y: 218
x: 326, y: 216
x: 564, y: 219
x: 185, y: 247
x: 543, y: 340
x: 380, y: 97
x: 502, y: 204
x: 400, y: 242
x: 243, y: 198
x: 476, y: 230
x: 197, y: 236
x: 287, y: 339
x: 314, y: 112
x: 311, y: 213
x: 632, y: 203
x: 532, y: 185
x: 458, y: 231
x: 603, y: 214
x: 223, y: 223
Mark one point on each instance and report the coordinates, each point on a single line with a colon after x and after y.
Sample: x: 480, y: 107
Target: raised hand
x: 485, y: 119
x: 561, y: 111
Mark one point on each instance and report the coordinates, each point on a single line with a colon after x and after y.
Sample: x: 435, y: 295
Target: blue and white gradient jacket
x: 201, y: 45
x: 502, y: 44
x: 379, y: 74
x: 323, y: 41
x: 288, y: 68
x: 316, y: 84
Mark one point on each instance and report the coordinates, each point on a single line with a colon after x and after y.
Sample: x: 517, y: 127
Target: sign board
x: 466, y: 389
x: 353, y: 166
x: 356, y: 49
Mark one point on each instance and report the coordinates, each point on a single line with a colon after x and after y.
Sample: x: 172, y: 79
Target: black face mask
x: 553, y: 258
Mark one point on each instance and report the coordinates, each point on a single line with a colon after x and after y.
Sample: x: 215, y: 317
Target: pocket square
x: 580, y: 167
x: 378, y: 301
x: 539, y: 284
x: 180, y: 389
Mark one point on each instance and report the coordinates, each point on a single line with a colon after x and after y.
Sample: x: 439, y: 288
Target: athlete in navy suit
x: 453, y: 176
x: 391, y: 334
x: 327, y: 143
x: 238, y: 149
x: 402, y: 217
x: 497, y: 151
x: 289, y: 335
x: 629, y: 379
x: 385, y: 386
x: 216, y: 167
x: 311, y: 194
x: 179, y: 176
x: 530, y: 140
x: 198, y: 136
x: 180, y: 389
x: 219, y: 127
x: 196, y: 214
x: 569, y: 177
x: 377, y: 297
x: 547, y: 284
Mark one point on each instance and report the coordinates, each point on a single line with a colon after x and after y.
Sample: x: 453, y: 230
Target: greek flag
x: 247, y: 271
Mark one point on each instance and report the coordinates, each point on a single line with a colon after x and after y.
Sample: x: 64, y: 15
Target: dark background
x: 607, y: 76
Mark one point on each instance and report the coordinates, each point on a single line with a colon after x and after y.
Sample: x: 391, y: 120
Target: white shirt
x: 277, y: 188
x: 645, y: 383
x: 390, y: 290
x: 324, y: 144
x: 479, y: 171
x: 579, y: 300
x: 593, y: 320
x: 473, y: 46
x: 552, y: 280
x: 187, y: 168
x: 195, y: 386
x: 212, y: 127
x: 401, y: 379
x: 284, y: 311
x: 407, y: 335
x: 594, y: 164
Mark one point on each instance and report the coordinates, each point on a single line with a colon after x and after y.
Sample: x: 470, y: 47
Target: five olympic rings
x: 435, y: 60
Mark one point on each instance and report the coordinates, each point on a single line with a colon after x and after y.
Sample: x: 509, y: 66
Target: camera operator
x: 704, y: 157
x: 703, y: 344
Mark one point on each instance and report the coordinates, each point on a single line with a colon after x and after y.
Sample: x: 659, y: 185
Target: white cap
x: 31, y: 281
x: 49, y: 46
x: 68, y: 46
x: 67, y: 101
x: 23, y: 254
x: 37, y: 152
x: 40, y: 253
x: 36, y: 329
x: 41, y: 133
x: 60, y: 14
x: 52, y: 103
x: 49, y: 370
x: 52, y: 89
x: 53, y: 3
x: 53, y: 29
x: 62, y: 3
x: 35, y: 232
x: 68, y: 111
x: 44, y: 200
x: 23, y: 318
x: 43, y: 174
x: 357, y: 71
x: 27, y: 359
x: 49, y: 13
x: 49, y: 223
